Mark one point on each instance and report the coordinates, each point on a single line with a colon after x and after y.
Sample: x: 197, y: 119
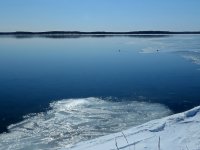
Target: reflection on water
x: 36, y: 71
x: 83, y: 36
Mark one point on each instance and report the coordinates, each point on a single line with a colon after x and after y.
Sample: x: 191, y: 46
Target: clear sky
x: 99, y: 15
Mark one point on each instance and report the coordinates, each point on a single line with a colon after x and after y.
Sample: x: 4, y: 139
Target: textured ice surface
x: 192, y: 56
x: 74, y: 120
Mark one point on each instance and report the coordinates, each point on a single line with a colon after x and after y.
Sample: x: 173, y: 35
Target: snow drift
x: 176, y: 132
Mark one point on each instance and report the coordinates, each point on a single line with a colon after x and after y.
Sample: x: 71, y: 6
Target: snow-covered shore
x: 71, y: 121
x: 177, y: 132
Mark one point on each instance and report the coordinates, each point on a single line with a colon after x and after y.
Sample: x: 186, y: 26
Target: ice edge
x: 178, y: 131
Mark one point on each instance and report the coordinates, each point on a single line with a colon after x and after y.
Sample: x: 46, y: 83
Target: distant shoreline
x: 97, y: 33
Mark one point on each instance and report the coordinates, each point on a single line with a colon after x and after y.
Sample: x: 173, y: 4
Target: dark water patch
x: 34, y: 72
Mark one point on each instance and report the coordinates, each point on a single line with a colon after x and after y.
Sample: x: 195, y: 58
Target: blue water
x: 35, y: 72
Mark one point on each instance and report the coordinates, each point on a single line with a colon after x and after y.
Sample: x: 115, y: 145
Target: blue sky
x: 99, y: 15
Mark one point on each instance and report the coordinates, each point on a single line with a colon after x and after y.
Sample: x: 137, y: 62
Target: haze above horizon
x: 104, y: 15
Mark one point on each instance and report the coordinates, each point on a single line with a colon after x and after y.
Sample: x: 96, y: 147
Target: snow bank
x: 176, y: 132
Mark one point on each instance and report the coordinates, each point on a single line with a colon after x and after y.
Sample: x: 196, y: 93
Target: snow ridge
x: 177, y: 132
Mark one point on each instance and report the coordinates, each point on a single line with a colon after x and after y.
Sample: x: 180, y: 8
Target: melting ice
x: 74, y: 120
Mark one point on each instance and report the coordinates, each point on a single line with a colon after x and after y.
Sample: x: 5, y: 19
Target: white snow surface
x: 176, y: 132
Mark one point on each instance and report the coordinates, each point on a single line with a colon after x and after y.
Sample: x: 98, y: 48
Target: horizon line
x: 102, y: 32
